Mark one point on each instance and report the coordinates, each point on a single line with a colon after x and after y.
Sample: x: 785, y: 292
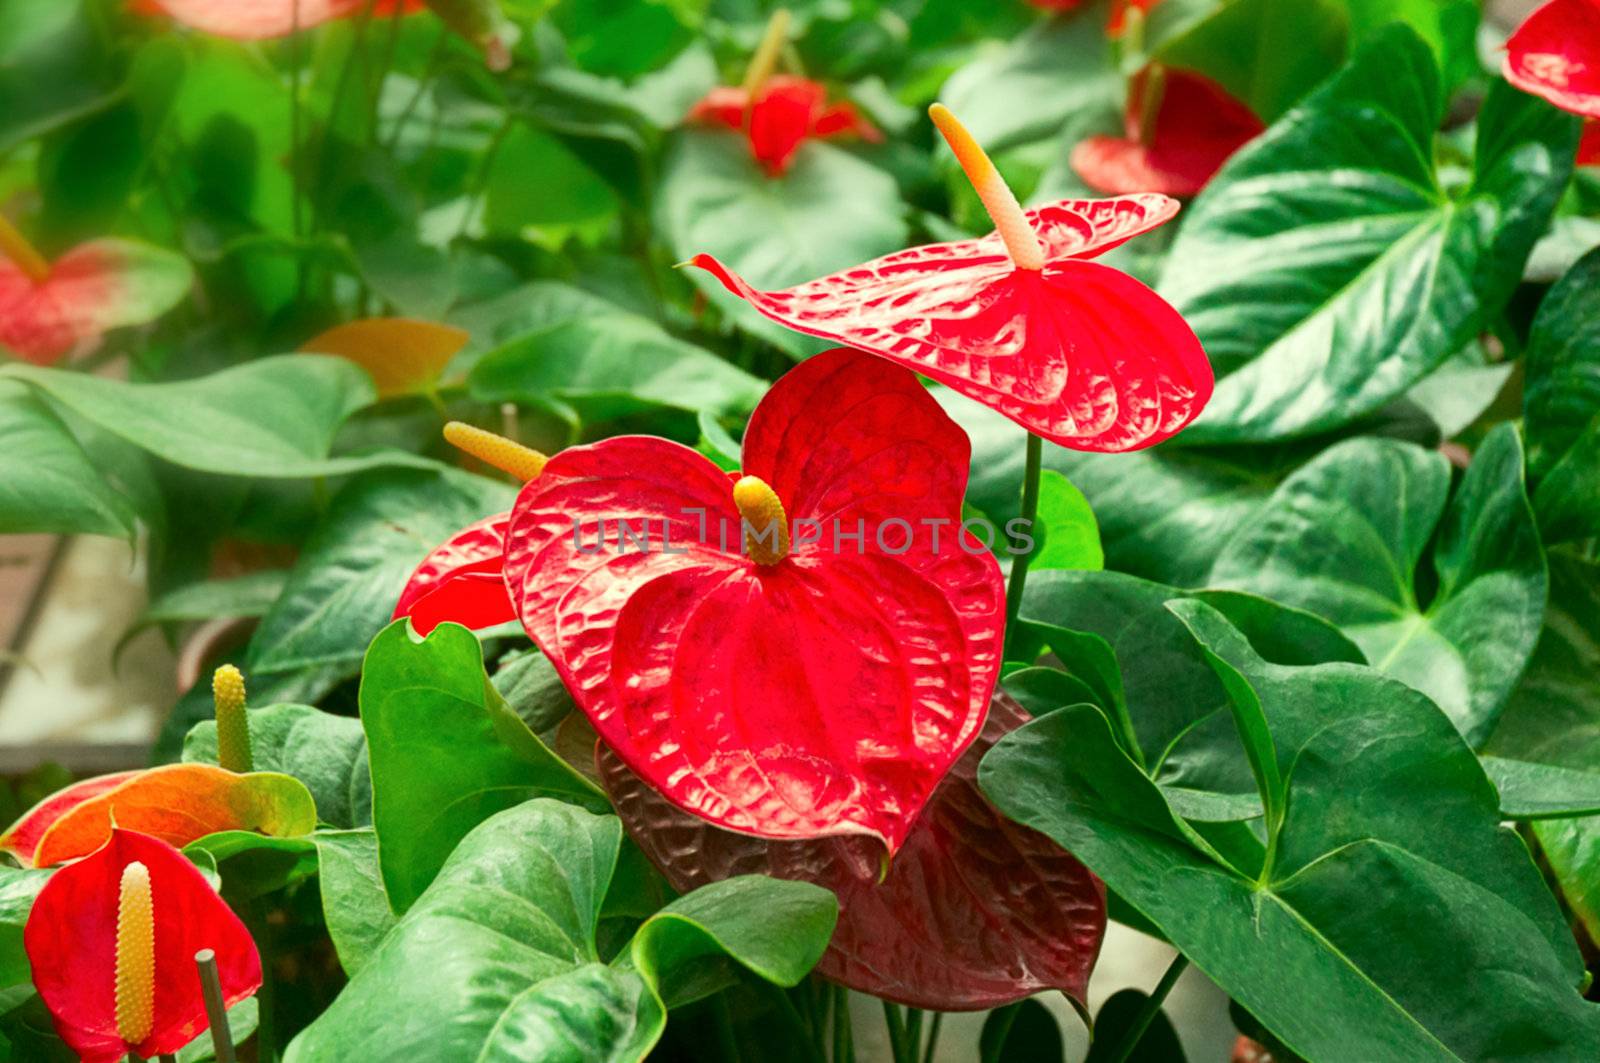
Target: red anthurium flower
x: 112, y: 940
x: 254, y: 20
x: 1076, y: 352
x: 461, y: 580
x: 780, y: 116
x: 1555, y: 53
x: 803, y: 651
x: 1180, y: 129
x: 48, y: 310
x: 22, y: 838
x: 1589, y: 146
x: 975, y: 912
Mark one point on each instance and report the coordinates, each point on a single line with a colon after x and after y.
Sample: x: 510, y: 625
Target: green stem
x: 1030, y: 513
x: 933, y: 1037
x: 843, y: 1050
x: 913, y: 1034
x: 723, y: 1019
x: 1152, y: 1007
x: 260, y: 927
x: 897, y: 1031
x: 797, y: 1024
x: 480, y: 185
x: 295, y: 162
x: 429, y: 71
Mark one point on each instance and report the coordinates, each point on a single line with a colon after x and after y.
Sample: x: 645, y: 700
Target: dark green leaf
x: 343, y: 589
x: 1543, y: 791
x: 1409, y: 923
x: 1325, y: 268
x: 1117, y: 1015
x: 447, y: 753
x: 1561, y: 405
x: 1024, y: 1032
x: 1345, y: 538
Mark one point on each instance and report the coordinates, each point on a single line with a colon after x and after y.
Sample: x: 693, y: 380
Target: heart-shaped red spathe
x: 975, y: 912
x: 71, y: 941
x: 786, y: 112
x: 461, y: 581
x: 825, y: 694
x: 1197, y: 126
x: 1555, y: 53
x: 254, y: 20
x: 93, y: 288
x: 1079, y: 353
x: 22, y: 838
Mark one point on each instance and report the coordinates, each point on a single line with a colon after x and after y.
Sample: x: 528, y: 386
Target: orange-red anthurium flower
x: 49, y: 309
x: 254, y: 20
x: 112, y: 939
x: 1555, y: 53
x: 1179, y: 127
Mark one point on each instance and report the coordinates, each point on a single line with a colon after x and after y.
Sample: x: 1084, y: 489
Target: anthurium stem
x: 1022, y: 244
x: 1152, y: 92
x: 844, y: 1050
x: 1152, y: 1006
x: 765, y: 59
x: 897, y: 1031
x: 15, y: 246
x: 216, y: 1009
x: 1030, y: 513
x: 933, y: 1037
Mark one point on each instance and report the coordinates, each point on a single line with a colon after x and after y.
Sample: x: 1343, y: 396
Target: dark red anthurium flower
x: 254, y: 20
x: 780, y: 116
x: 112, y: 939
x: 802, y: 651
x: 1079, y: 353
x: 975, y: 911
x: 50, y: 309
x: 1555, y: 53
x: 1589, y: 146
x: 1180, y: 128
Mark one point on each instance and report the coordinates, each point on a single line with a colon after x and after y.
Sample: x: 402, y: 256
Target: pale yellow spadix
x: 136, y: 955
x: 765, y: 59
x: 766, y: 525
x: 507, y: 455
x: 1021, y: 243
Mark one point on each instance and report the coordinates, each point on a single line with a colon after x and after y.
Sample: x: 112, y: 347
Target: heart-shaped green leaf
x: 47, y: 483
x: 447, y: 753
x: 1345, y: 537
x: 1561, y: 405
x: 1326, y: 269
x: 498, y: 959
x: 1388, y: 871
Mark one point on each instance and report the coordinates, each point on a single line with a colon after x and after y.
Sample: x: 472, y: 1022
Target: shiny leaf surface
x: 1561, y: 405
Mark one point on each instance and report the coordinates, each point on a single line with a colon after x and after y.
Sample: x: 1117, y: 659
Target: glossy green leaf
x: 1561, y: 405
x: 1265, y: 53
x: 606, y: 362
x: 1389, y: 868
x: 343, y: 589
x: 1325, y: 268
x: 1163, y: 514
x: 251, y: 594
x: 47, y: 483
x: 1070, y: 536
x: 327, y: 753
x: 498, y: 958
x: 243, y: 1018
x: 1345, y: 538
x: 354, y: 905
x: 253, y: 865
x: 1553, y: 718
x: 18, y: 888
x: 1159, y: 1043
x: 1529, y: 790
x: 271, y: 417
x: 831, y: 210
x: 1179, y: 710
x: 534, y: 690
x: 447, y: 753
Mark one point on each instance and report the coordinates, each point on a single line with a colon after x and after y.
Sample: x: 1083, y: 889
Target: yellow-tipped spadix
x: 15, y: 246
x: 507, y: 455
x: 765, y: 60
x: 136, y: 955
x: 233, y: 722
x: 766, y: 526
x: 1021, y: 243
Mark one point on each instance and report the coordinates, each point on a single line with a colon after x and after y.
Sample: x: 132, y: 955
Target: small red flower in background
x: 1078, y: 353
x: 48, y: 310
x: 1589, y: 146
x: 112, y: 940
x: 801, y: 687
x: 1180, y: 129
x: 1555, y: 53
x: 1117, y: 23
x: 975, y: 911
x: 254, y: 20
x: 783, y: 114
